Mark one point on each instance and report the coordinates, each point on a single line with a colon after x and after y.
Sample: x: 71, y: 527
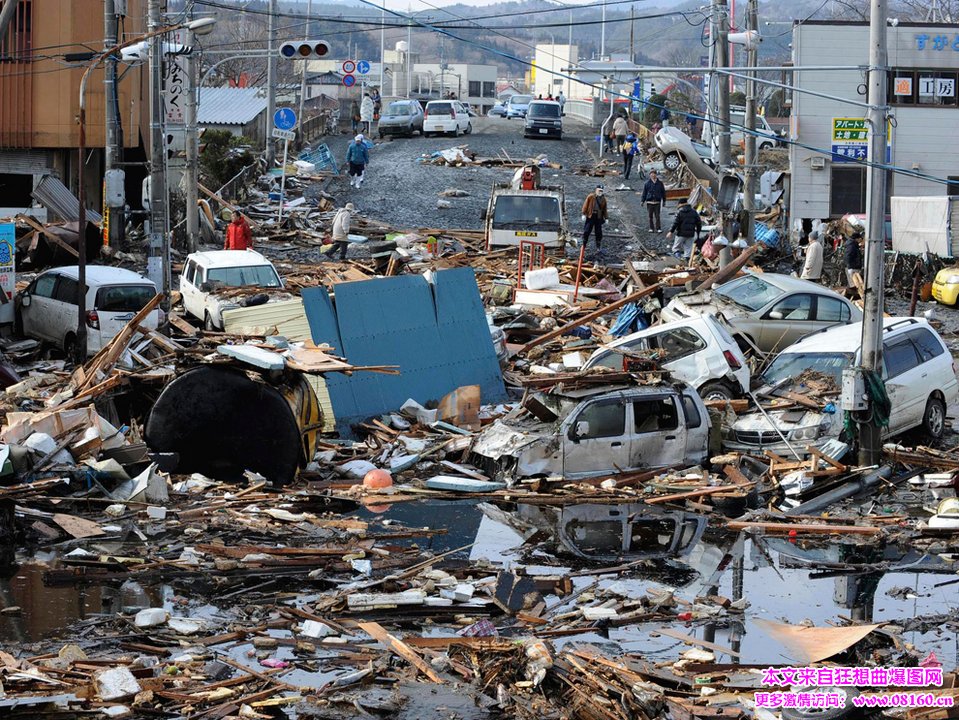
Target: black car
x: 544, y: 118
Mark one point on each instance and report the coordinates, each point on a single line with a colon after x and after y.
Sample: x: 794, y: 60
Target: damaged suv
x: 598, y: 431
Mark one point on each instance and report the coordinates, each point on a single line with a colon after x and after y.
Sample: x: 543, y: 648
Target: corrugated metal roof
x: 55, y: 196
x: 230, y: 106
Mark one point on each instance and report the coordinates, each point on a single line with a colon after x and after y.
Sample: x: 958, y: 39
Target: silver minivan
x: 47, y: 310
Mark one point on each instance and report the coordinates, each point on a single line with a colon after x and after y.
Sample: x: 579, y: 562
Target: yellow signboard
x: 525, y: 233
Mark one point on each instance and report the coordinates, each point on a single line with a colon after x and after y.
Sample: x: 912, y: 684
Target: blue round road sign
x: 363, y: 67
x: 349, y: 80
x: 284, y: 119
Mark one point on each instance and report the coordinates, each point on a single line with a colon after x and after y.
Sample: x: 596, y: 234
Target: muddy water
x: 773, y: 574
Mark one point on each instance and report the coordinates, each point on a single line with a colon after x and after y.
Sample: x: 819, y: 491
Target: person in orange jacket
x: 238, y: 234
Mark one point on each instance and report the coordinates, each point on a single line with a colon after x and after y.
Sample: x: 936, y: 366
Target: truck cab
x: 526, y: 210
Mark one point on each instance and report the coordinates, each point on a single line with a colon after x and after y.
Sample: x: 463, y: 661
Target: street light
x: 201, y: 26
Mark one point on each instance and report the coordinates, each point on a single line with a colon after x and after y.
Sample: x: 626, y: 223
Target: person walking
x: 664, y: 114
x: 595, y: 213
x: 377, y: 103
x: 238, y: 234
x: 686, y: 228
x: 341, y: 229
x: 561, y: 99
x: 620, y: 130
x: 366, y: 113
x: 355, y: 116
x: 357, y: 156
x: 853, y: 254
x: 630, y: 148
x: 812, y: 267
x: 654, y: 195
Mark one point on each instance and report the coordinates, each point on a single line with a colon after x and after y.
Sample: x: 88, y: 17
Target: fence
x: 235, y: 188
x: 587, y: 111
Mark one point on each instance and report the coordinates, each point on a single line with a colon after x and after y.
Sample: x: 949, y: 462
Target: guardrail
x: 580, y: 109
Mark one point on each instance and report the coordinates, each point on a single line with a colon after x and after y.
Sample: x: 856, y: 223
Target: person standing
x: 238, y: 234
x: 812, y: 267
x: 630, y: 148
x: 341, y: 229
x: 366, y: 113
x: 686, y: 228
x: 357, y: 156
x: 355, y: 116
x: 654, y: 195
x: 561, y: 99
x: 620, y: 130
x: 853, y: 255
x: 595, y: 213
x: 664, y: 114
x: 377, y: 102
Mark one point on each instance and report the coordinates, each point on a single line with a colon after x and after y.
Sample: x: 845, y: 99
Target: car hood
x: 755, y: 421
x: 703, y: 303
x: 533, y: 448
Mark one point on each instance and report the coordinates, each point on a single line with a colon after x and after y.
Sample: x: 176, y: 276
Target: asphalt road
x: 402, y: 190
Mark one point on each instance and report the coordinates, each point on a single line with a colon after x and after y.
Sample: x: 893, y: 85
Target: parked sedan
x: 768, y: 311
x: 401, y: 117
x: 517, y: 106
x: 498, y: 110
x: 699, y: 351
x: 677, y: 147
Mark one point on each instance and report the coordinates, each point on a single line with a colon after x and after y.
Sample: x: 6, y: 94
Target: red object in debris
x: 528, y: 181
x: 377, y: 480
x: 685, y: 616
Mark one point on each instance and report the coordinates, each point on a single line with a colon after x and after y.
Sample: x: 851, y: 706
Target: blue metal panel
x: 323, y: 328
x: 462, y: 326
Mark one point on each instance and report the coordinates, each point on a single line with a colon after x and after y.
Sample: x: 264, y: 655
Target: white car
x: 204, y: 273
x: 917, y: 368
x: 701, y: 352
x: 47, y: 310
x: 446, y: 116
x: 766, y: 137
x: 677, y: 147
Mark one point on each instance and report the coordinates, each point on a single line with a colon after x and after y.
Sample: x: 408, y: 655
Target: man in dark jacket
x: 853, y: 254
x: 595, y: 214
x: 654, y: 195
x: 686, y: 227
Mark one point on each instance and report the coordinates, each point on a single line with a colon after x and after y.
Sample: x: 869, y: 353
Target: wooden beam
x: 774, y: 527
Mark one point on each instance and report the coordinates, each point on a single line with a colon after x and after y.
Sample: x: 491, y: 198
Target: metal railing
x: 582, y: 110
x: 235, y: 188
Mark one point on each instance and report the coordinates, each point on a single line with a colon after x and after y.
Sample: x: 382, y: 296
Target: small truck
x: 526, y: 210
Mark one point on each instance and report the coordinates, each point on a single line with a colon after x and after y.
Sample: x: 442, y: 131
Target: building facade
x: 39, y: 96
x: 830, y: 136
x: 551, y: 74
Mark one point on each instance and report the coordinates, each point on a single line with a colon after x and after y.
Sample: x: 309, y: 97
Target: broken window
x: 654, y: 415
x: 605, y: 419
x: 678, y: 343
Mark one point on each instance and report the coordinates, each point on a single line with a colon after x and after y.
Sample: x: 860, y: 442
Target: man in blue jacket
x: 357, y: 156
x: 654, y: 195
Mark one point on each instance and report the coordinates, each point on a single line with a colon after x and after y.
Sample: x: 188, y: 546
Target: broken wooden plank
x: 378, y: 633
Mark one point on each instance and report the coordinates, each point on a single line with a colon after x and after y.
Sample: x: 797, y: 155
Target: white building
x: 550, y: 73
x: 472, y: 84
x: 923, y: 98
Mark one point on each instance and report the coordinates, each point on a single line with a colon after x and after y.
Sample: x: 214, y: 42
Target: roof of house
x: 230, y: 106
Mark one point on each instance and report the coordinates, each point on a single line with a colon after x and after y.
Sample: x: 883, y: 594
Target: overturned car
x: 596, y: 431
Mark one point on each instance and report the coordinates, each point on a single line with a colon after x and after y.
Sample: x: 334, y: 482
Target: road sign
x: 363, y: 67
x: 349, y: 66
x: 349, y: 80
x: 283, y: 134
x: 284, y: 119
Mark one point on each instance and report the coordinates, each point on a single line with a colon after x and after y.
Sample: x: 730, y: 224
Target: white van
x: 47, y: 309
x: 207, y: 274
x: 446, y: 116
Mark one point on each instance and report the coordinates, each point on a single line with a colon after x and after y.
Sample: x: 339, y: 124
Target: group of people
x: 366, y: 112
x: 812, y: 260
x: 560, y: 98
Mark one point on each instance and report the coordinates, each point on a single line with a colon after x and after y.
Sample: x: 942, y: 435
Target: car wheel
x: 208, y: 322
x: 672, y: 161
x: 934, y: 419
x: 821, y: 713
x: 456, y: 131
x: 716, y: 390
x: 469, y: 128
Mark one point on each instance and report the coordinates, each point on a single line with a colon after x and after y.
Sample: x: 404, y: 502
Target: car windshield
x: 791, y: 365
x: 750, y: 292
x: 250, y: 275
x: 124, y: 298
x: 440, y: 109
x: 399, y: 109
x: 521, y: 99
x: 511, y: 210
x: 543, y: 110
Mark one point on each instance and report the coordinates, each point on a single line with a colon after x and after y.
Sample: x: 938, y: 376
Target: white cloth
x: 366, y: 109
x: 341, y: 225
x: 812, y: 268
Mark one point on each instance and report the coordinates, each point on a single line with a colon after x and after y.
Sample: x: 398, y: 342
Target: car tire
x: 208, y: 323
x: 934, y: 418
x: 469, y: 128
x: 717, y: 390
x: 834, y: 713
x: 456, y: 131
x: 672, y: 161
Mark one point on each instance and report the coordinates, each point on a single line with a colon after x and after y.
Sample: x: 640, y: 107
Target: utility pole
x: 870, y: 439
x: 632, y: 24
x: 190, y: 173
x: 409, y: 63
x: 270, y: 82
x: 752, y: 161
x: 721, y: 54
x: 306, y: 36
x: 158, y: 265
x: 382, y: 49
x: 602, y: 37
x: 113, y: 217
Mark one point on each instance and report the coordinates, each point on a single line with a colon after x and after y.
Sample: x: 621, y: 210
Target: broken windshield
x: 750, y: 292
x: 250, y: 275
x: 791, y: 365
x: 525, y: 211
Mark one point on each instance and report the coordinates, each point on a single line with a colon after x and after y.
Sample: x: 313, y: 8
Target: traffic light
x: 305, y: 49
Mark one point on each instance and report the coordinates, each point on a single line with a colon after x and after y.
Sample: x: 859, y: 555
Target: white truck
x: 208, y: 280
x: 524, y: 209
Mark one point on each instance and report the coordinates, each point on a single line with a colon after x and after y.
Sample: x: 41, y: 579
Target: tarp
x: 921, y: 224
x: 436, y: 332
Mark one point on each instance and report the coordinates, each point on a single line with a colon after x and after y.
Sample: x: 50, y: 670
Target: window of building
x: 16, y: 45
x: 489, y: 89
x: 935, y: 88
x: 847, y: 190
x: 475, y: 88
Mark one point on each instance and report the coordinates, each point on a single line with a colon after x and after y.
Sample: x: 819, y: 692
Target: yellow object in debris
x: 945, y: 288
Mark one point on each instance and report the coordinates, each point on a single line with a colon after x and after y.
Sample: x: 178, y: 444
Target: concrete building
x: 550, y: 71
x: 924, y: 102
x: 39, y: 96
x: 472, y: 84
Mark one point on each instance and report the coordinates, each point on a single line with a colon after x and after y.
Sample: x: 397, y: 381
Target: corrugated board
x: 440, y: 342
x: 286, y: 318
x: 921, y: 224
x: 54, y: 195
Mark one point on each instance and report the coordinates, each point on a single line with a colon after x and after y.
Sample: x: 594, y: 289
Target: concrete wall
x: 921, y: 137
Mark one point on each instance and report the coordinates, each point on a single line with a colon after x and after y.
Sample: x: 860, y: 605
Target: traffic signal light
x: 305, y: 49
